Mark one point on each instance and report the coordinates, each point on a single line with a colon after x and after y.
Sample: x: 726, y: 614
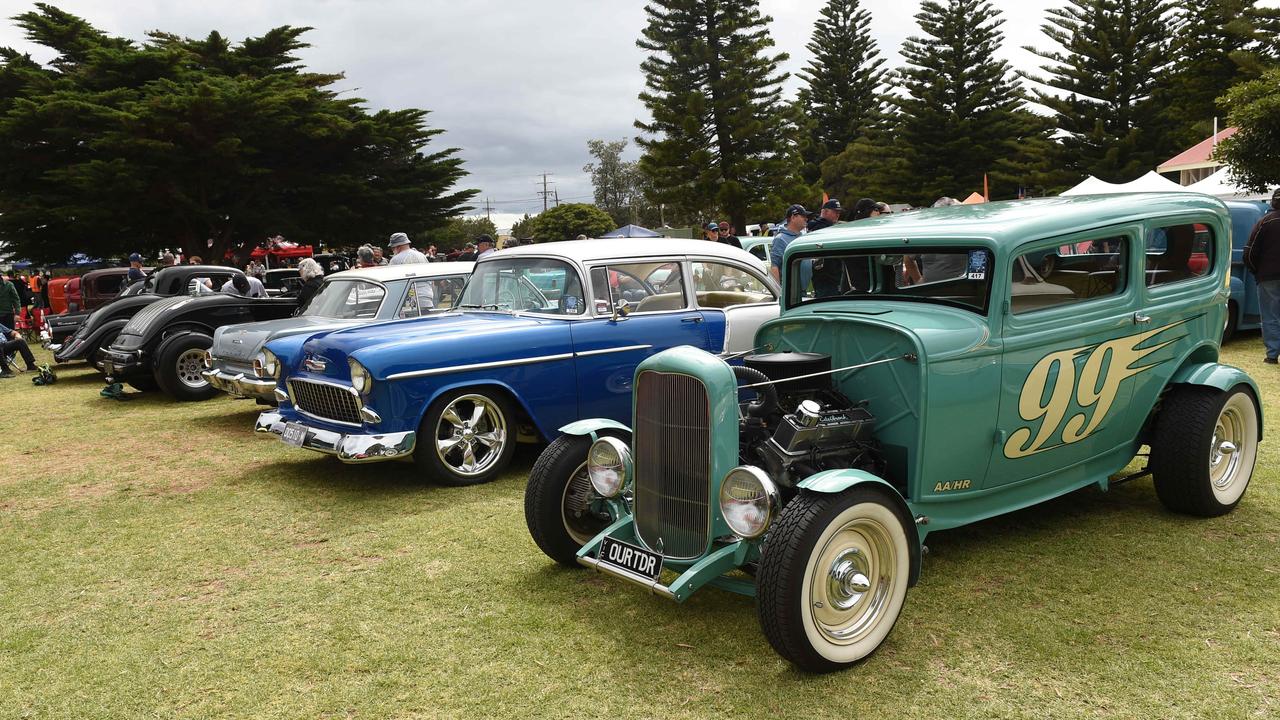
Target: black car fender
x: 90, y: 343
x: 172, y: 333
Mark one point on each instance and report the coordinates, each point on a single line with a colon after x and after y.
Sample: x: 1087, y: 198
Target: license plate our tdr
x: 634, y: 560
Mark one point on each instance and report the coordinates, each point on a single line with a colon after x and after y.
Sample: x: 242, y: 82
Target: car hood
x: 434, y: 341
x: 940, y: 331
x: 242, y: 342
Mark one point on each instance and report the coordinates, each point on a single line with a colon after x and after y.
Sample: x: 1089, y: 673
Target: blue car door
x: 656, y: 312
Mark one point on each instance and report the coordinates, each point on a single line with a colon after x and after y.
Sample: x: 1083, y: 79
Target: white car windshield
x: 529, y: 284
x: 346, y: 300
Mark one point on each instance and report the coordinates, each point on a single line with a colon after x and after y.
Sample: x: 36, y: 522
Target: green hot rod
x: 928, y: 370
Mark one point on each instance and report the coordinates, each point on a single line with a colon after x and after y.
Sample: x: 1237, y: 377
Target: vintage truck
x: 943, y: 367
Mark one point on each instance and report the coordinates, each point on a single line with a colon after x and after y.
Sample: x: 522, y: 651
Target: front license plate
x: 634, y: 560
x: 294, y: 434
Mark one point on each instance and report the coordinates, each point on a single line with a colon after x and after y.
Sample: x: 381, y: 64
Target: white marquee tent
x: 1151, y: 182
x: 1219, y: 185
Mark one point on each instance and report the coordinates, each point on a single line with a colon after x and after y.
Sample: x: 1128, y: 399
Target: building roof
x: 383, y: 273
x: 1198, y: 155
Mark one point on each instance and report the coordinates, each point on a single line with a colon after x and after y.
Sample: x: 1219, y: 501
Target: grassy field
x: 158, y: 560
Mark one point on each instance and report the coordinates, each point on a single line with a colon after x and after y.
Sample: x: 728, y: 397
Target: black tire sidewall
x: 1179, y: 449
x: 424, y: 453
x: 544, y: 497
x: 166, y: 375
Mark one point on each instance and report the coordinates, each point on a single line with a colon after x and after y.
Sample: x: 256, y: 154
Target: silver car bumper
x: 349, y: 447
x: 241, y: 384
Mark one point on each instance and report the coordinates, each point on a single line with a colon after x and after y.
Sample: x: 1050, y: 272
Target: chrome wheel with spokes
x: 188, y: 367
x: 468, y: 437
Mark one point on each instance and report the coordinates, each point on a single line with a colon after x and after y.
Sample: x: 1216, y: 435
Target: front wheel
x: 833, y: 577
x: 178, y: 366
x: 1204, y: 448
x: 98, y: 354
x: 466, y: 437
x: 561, y: 508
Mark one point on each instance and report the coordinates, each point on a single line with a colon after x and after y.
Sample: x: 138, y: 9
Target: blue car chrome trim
x: 350, y: 448
x: 479, y: 366
x: 606, y: 351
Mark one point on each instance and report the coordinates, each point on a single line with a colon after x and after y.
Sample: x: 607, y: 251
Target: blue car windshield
x: 524, y: 284
x: 956, y: 276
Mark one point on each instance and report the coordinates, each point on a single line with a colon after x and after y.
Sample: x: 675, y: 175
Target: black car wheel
x: 1204, y: 448
x: 96, y: 355
x: 561, y: 508
x: 467, y: 437
x: 178, y: 365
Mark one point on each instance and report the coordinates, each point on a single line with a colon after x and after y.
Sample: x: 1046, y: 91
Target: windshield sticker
x: 977, y: 264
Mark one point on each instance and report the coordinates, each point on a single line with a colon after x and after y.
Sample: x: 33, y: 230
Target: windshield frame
x: 573, y: 265
x: 382, y: 304
x: 886, y: 246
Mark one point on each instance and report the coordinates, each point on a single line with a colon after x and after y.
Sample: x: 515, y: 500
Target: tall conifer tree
x: 718, y: 137
x: 1106, y: 85
x: 843, y: 80
x: 962, y: 113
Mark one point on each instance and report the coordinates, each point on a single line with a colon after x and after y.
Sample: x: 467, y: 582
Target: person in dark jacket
x: 1262, y: 257
x: 312, y: 276
x: 10, y: 301
x: 11, y: 342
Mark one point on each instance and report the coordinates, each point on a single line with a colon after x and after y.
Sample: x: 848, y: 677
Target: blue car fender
x: 832, y: 482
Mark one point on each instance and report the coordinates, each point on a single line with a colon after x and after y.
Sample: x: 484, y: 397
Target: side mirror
x: 621, y: 310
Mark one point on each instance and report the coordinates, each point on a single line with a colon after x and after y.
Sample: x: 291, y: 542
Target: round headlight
x: 360, y: 378
x: 748, y: 500
x: 266, y: 364
x: 609, y: 466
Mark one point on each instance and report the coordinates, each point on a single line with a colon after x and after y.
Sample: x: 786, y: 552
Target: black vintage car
x: 84, y: 336
x: 164, y: 345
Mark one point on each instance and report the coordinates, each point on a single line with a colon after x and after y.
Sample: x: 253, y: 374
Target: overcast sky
x: 519, y: 87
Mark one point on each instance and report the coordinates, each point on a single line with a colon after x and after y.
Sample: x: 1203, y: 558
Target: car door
x: 1069, y: 336
x: 735, y: 300
x: 660, y: 315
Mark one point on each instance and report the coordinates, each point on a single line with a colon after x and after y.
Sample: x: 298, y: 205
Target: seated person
x: 11, y: 342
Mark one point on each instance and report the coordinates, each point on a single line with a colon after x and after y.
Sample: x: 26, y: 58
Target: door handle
x: 694, y: 319
x: 1140, y: 319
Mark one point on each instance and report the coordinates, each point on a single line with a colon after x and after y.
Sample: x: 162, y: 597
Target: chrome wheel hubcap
x: 190, y: 363
x: 1224, y: 448
x: 581, y: 520
x: 852, y: 588
x: 470, y: 435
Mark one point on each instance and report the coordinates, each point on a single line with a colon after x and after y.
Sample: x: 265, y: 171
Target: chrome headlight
x: 748, y: 501
x: 266, y: 365
x: 609, y: 466
x: 361, y: 380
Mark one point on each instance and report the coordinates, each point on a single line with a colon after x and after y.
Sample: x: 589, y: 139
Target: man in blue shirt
x: 11, y: 341
x: 135, y: 268
x: 795, y: 220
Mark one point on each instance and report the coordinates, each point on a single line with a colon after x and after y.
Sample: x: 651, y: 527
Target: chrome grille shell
x: 325, y: 401
x: 673, y: 463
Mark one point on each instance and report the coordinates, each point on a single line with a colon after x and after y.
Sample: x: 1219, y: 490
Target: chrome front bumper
x: 241, y: 385
x: 349, y: 447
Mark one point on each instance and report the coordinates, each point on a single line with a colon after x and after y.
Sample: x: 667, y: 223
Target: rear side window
x: 1178, y: 252
x: 110, y: 284
x: 1076, y: 272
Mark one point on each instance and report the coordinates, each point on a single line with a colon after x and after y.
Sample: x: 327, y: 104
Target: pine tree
x: 843, y: 80
x: 1219, y: 43
x: 718, y: 137
x: 962, y: 111
x: 1107, y: 84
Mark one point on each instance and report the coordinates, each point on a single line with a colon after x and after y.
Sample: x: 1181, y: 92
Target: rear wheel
x: 467, y: 437
x: 561, y: 508
x: 178, y: 365
x: 833, y: 577
x: 96, y: 355
x: 1229, y: 327
x: 1204, y: 448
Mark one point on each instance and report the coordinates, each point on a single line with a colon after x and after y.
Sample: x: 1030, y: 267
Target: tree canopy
x: 1254, y: 151
x: 568, y: 221
x: 116, y: 146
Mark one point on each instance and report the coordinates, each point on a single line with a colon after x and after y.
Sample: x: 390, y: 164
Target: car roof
x: 384, y: 273
x: 1012, y: 222
x: 624, y: 248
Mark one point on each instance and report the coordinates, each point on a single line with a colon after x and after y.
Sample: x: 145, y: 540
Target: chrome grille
x: 672, y: 463
x: 330, y: 402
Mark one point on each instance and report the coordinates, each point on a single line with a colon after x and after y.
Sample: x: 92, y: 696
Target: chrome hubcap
x: 470, y: 435
x: 581, y: 518
x: 847, y: 579
x: 1224, y: 448
x: 190, y: 363
x: 852, y: 588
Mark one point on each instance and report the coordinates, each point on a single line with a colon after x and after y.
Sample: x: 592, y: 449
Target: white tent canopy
x: 1151, y: 182
x: 1219, y: 185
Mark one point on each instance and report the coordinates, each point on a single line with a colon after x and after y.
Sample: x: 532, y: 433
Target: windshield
x: 530, y: 284
x: 956, y: 276
x: 345, y: 300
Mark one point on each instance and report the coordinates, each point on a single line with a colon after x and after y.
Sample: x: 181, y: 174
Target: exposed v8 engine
x: 799, y: 424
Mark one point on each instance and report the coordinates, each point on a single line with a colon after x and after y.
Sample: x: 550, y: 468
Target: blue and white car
x: 542, y: 336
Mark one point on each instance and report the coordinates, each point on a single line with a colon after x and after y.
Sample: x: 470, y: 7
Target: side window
x: 419, y: 299
x: 648, y: 287
x: 447, y: 290
x: 723, y: 286
x: 1066, y: 274
x: 760, y: 251
x: 1178, y: 252
x: 110, y: 284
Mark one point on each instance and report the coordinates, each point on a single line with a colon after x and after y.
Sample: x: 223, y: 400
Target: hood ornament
x: 315, y: 364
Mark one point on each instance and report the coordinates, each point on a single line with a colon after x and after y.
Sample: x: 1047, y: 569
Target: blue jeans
x: 1269, y: 305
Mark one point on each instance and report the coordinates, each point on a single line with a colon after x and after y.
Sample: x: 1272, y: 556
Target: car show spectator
x: 1262, y: 258
x: 484, y: 246
x: 711, y: 231
x: 195, y: 260
x: 244, y: 286
x: 726, y: 236
x: 10, y: 301
x: 312, y: 276
x: 468, y: 253
x: 432, y: 255
x: 11, y: 342
x: 865, y: 208
x: 364, y: 257
x: 795, y: 220
x: 402, y: 251
x: 168, y: 260
x: 378, y: 259
x: 135, y: 268
x: 828, y: 215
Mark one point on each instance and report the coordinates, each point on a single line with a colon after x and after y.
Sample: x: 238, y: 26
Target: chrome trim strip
x: 606, y: 351
x: 479, y: 366
x: 653, y: 586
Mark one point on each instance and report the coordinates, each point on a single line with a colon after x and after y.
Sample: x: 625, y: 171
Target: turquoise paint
x: 591, y: 426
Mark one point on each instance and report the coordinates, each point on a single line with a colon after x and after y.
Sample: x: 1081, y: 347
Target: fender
x: 831, y: 482
x: 91, y: 342
x: 181, y: 332
x: 592, y: 426
x: 1221, y: 377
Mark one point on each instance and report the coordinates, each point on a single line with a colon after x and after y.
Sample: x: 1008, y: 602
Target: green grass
x: 158, y: 560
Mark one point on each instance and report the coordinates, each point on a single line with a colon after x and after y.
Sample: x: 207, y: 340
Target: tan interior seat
x: 660, y: 302
x: 727, y: 298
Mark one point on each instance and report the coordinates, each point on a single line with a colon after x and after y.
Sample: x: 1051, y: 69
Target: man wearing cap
x: 796, y: 218
x: 726, y: 236
x: 484, y: 246
x: 829, y: 215
x: 711, y: 231
x: 403, y: 252
x: 135, y: 268
x: 1262, y: 257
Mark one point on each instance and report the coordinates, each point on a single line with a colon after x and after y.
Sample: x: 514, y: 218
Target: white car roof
x: 384, y: 273
x: 625, y: 248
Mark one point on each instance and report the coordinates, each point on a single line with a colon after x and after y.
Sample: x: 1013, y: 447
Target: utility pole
x: 487, y: 209
x: 546, y: 194
x: 557, y: 197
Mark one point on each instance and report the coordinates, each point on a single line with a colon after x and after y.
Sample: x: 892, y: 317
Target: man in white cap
x: 403, y: 252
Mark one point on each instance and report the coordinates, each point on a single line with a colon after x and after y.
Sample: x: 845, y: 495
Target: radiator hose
x: 767, y: 402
